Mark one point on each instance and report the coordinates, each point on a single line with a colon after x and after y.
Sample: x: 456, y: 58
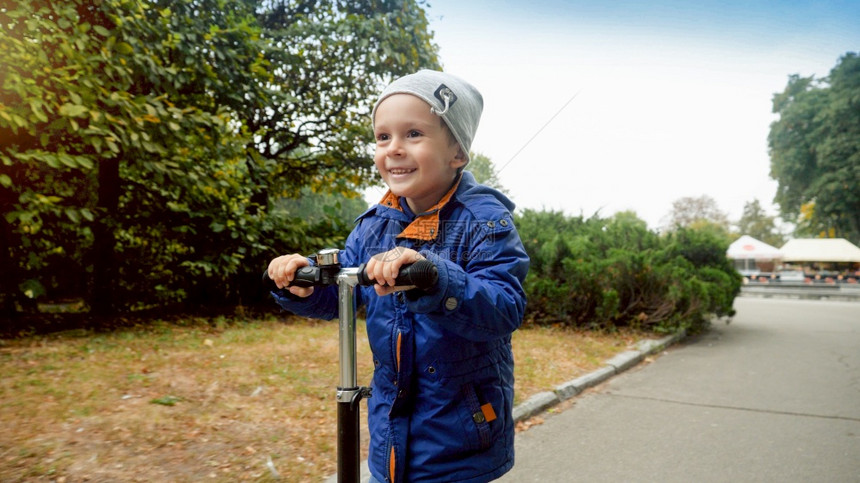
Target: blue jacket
x: 443, y: 384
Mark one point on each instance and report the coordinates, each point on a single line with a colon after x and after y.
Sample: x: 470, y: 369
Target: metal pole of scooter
x: 349, y: 394
x: 328, y: 271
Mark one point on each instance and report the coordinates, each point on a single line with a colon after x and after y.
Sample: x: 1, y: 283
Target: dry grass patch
x: 208, y: 400
x: 545, y: 357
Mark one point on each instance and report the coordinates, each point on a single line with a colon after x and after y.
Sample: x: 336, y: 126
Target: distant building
x: 751, y: 256
x: 824, y: 259
x: 821, y: 251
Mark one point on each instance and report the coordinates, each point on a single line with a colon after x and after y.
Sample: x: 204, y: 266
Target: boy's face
x: 415, y: 153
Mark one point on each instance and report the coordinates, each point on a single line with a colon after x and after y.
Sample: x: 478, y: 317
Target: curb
x: 543, y: 401
x: 848, y: 294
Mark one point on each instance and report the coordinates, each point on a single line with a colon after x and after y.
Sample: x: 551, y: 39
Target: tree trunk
x: 101, y: 297
x: 9, y: 271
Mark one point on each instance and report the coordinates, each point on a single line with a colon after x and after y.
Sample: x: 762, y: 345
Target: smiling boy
x: 443, y: 380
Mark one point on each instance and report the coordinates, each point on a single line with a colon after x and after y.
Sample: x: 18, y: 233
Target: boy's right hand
x: 282, y: 271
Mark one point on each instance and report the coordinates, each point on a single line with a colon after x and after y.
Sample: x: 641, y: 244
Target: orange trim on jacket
x: 425, y: 226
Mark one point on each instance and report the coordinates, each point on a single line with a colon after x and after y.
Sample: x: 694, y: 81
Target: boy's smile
x: 396, y: 172
x: 416, y: 154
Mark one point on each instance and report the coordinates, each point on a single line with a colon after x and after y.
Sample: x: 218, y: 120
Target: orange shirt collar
x: 425, y: 226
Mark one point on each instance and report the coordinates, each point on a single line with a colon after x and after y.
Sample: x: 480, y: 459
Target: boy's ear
x: 459, y: 158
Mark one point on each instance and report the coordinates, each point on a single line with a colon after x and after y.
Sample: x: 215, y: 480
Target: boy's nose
x: 395, y: 147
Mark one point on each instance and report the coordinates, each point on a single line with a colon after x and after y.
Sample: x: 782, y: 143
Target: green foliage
x: 145, y: 144
x: 690, y: 212
x: 330, y: 59
x: 126, y: 143
x: 166, y: 400
x: 484, y: 171
x: 605, y: 273
x: 815, y: 151
x: 310, y: 205
x: 759, y: 225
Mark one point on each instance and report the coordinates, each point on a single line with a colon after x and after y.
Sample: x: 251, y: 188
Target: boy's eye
x: 382, y: 137
x: 413, y: 134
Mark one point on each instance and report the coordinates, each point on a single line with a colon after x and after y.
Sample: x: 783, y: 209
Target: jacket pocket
x: 483, y: 414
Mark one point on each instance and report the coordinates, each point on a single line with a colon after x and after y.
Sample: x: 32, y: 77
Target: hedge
x: 604, y: 273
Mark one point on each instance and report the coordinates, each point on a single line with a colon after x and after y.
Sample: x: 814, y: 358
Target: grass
x: 209, y: 399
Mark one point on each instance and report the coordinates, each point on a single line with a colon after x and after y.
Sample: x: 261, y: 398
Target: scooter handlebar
x: 422, y: 274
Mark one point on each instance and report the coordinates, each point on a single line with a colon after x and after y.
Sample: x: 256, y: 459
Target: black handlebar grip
x: 308, y: 276
x: 422, y: 274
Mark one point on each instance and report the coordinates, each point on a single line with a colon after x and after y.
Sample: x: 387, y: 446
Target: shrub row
x: 603, y: 273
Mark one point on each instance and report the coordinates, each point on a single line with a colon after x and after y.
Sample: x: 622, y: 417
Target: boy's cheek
x: 379, y: 159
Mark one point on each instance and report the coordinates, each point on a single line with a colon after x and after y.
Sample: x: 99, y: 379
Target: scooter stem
x: 348, y: 392
x: 347, y: 280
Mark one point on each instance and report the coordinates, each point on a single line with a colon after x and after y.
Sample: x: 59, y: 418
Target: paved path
x: 775, y: 396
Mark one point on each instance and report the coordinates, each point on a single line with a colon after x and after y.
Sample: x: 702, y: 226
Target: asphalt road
x: 774, y: 396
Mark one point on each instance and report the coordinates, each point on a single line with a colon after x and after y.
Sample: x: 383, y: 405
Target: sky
x: 600, y: 107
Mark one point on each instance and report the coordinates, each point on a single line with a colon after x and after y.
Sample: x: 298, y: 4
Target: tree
x: 323, y: 206
x: 144, y: 142
x: 116, y: 122
x: 689, y: 212
x: 484, y: 171
x: 756, y: 223
x: 329, y: 61
x: 815, y: 150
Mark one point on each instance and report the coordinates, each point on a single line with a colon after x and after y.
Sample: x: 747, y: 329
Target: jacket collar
x: 425, y: 226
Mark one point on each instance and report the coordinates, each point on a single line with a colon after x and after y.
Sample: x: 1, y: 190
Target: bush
x: 146, y: 147
x: 605, y: 273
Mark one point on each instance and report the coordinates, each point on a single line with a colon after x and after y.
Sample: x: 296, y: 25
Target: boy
x: 443, y: 379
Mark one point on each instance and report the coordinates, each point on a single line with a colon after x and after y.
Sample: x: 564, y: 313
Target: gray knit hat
x: 456, y: 101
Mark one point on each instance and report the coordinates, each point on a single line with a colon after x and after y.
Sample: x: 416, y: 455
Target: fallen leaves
x: 262, y: 405
x: 528, y: 423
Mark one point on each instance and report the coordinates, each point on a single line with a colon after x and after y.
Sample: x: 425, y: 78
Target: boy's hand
x: 384, y: 267
x: 282, y: 271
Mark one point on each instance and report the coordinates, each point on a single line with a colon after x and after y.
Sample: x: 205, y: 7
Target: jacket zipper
x: 392, y: 455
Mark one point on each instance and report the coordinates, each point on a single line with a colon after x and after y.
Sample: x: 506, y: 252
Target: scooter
x: 327, y: 271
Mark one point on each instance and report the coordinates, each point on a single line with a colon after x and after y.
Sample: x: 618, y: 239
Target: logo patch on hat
x: 443, y: 92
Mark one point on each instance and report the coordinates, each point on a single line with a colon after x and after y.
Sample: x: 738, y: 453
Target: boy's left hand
x: 384, y: 267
